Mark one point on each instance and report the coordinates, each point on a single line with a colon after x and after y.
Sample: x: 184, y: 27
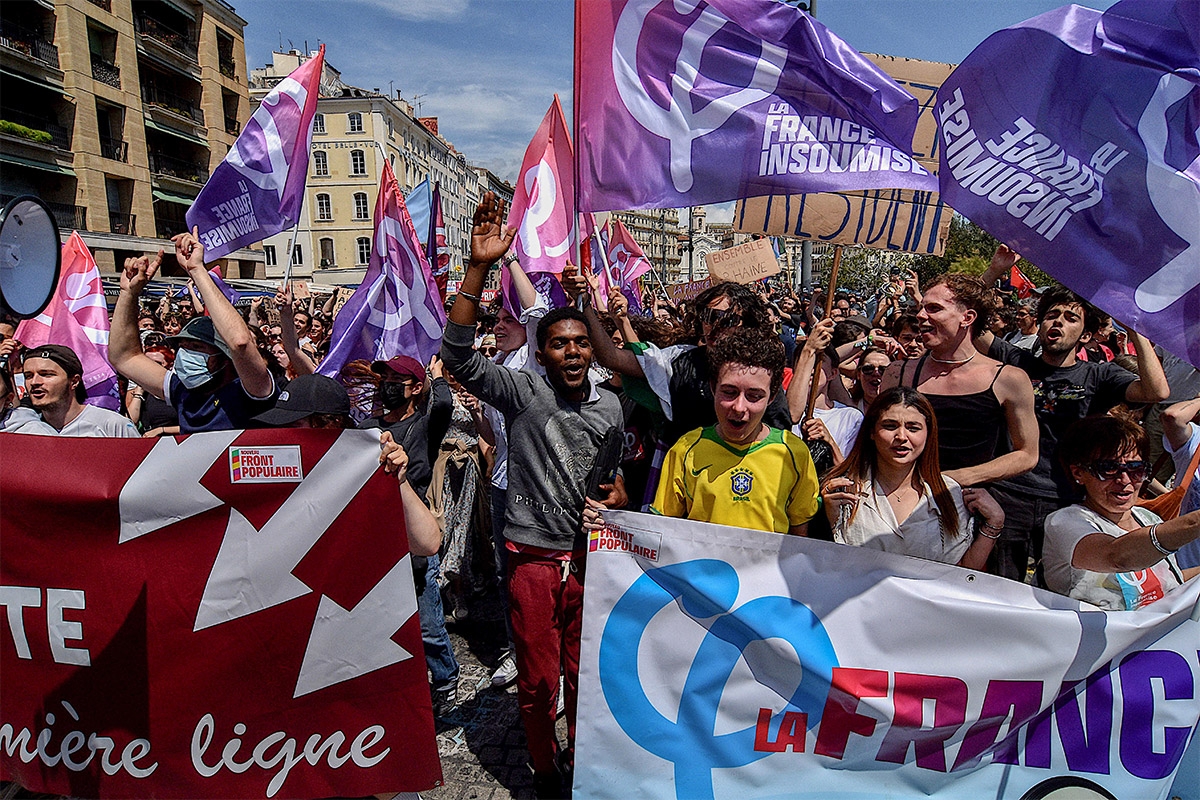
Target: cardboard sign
x: 745, y: 263
x: 300, y: 290
x: 883, y: 219
x: 343, y: 296
x: 678, y: 292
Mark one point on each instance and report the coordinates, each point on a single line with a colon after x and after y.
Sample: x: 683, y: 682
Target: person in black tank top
x: 987, y: 430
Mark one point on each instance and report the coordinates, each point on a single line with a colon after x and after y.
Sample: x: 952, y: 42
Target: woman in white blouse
x: 889, y: 493
x: 1106, y: 550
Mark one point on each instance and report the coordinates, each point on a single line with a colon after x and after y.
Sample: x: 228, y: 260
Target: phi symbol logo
x: 275, y: 178
x: 543, y: 189
x: 678, y: 123
x: 706, y: 591
x: 1175, y: 194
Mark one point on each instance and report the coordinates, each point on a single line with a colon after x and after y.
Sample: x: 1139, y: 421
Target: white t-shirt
x: 96, y: 421
x: 843, y: 422
x: 1124, y: 591
x: 25, y: 420
x: 874, y: 526
x: 1189, y: 554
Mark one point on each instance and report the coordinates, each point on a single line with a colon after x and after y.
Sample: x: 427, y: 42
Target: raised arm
x: 1151, y: 385
x: 124, y: 345
x: 301, y: 363
x: 525, y: 291
x: 424, y: 533
x: 802, y: 372
x: 1099, y: 552
x: 1003, y: 260
x: 1176, y: 421
x: 606, y: 353
x: 249, y: 363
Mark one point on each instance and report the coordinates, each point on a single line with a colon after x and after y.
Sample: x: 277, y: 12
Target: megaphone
x: 30, y: 256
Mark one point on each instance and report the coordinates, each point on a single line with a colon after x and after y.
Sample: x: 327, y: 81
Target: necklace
x: 953, y: 361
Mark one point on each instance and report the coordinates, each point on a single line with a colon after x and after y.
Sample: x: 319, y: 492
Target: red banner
x: 224, y: 615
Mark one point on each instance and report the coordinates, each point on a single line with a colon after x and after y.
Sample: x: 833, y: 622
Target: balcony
x: 106, y: 72
x: 68, y: 217
x: 37, y: 129
x: 177, y: 104
x: 114, y: 149
x: 232, y: 126
x: 180, y: 42
x: 124, y: 224
x: 178, y: 168
x: 28, y: 42
x: 105, y: 4
x: 166, y: 228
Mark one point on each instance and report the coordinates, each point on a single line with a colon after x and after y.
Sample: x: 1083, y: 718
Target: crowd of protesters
x: 950, y: 421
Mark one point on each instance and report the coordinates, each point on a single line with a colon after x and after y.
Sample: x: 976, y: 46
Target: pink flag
x: 438, y: 250
x: 543, y: 209
x: 77, y: 317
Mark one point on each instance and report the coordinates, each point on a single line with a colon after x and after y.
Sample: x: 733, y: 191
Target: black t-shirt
x: 421, y: 434
x: 1061, y: 396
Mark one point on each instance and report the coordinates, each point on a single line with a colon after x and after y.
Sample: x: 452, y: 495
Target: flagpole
x: 287, y: 271
x: 814, y: 387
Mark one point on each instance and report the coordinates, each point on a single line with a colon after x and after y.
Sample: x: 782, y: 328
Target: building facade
x: 657, y: 231
x: 114, y: 112
x: 354, y: 129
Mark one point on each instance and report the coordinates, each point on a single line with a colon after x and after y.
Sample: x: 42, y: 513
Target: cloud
x: 720, y: 212
x: 416, y: 10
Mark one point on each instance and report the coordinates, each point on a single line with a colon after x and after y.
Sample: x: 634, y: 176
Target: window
x: 324, y: 209
x: 391, y: 130
x: 327, y: 259
x: 360, y: 206
x: 364, y: 250
x: 269, y: 254
x: 297, y: 256
x: 358, y: 163
x: 320, y: 163
x: 354, y: 123
x: 319, y: 123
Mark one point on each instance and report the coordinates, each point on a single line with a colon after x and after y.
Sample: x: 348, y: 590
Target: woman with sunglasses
x: 1105, y: 550
x: 890, y: 494
x: 868, y: 377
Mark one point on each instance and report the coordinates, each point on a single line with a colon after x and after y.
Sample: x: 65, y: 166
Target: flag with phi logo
x: 396, y: 310
x: 543, y: 207
x: 703, y: 102
x: 77, y: 316
x: 257, y: 190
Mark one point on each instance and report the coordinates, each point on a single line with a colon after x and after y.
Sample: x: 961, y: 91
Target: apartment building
x: 657, y: 231
x: 115, y: 112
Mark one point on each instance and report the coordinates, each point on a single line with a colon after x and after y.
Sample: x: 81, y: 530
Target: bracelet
x: 469, y: 296
x: 139, y: 396
x: 1154, y: 541
x: 997, y: 530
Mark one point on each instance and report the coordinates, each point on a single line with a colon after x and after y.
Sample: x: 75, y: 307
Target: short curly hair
x: 1099, y: 437
x: 971, y: 293
x: 750, y: 347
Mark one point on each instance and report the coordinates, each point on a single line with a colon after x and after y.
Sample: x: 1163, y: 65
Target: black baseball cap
x: 306, y: 395
x: 65, y: 357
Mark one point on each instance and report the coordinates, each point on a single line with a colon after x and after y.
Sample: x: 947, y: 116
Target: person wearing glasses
x: 868, y: 377
x: 1025, y: 336
x: 1106, y: 550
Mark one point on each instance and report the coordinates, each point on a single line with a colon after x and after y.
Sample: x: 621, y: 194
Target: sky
x: 488, y: 69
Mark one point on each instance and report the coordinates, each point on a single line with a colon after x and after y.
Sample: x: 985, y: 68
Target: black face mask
x: 393, y: 395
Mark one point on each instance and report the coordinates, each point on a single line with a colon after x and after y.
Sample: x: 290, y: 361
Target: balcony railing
x: 166, y: 228
x: 31, y: 42
x: 171, y: 101
x: 67, y: 216
x: 232, y: 126
x: 124, y: 224
x: 106, y: 72
x: 178, y: 41
x: 59, y: 136
x: 184, y: 170
x: 105, y: 4
x: 115, y: 149
x: 227, y: 67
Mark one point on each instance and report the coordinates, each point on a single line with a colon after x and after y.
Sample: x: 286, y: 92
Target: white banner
x: 719, y: 662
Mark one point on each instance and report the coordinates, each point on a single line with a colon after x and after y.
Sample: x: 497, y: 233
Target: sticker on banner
x: 638, y: 543
x: 265, y: 464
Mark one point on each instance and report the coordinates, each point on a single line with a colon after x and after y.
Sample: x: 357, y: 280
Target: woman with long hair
x: 890, y: 493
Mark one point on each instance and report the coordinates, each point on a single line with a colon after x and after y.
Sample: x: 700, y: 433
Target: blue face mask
x: 192, y: 368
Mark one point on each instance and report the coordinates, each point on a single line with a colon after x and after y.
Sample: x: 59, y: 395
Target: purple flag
x: 231, y: 294
x: 257, y: 190
x: 396, y: 309
x: 681, y: 104
x: 1082, y: 155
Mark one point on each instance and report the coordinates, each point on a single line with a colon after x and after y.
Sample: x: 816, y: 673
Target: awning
x: 172, y: 132
x: 44, y: 166
x: 167, y: 197
x: 38, y: 82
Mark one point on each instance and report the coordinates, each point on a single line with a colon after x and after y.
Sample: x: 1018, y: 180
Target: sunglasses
x: 718, y: 316
x: 872, y: 369
x: 1108, y: 470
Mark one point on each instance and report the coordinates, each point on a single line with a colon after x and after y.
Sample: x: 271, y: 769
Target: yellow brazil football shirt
x: 769, y: 486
